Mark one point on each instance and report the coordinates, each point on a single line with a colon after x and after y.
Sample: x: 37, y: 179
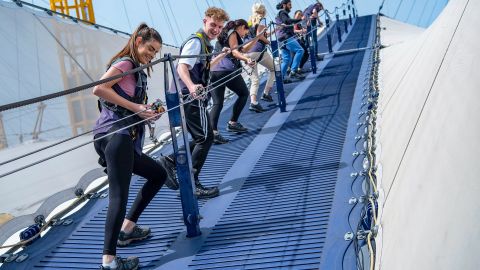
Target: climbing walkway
x: 279, y: 185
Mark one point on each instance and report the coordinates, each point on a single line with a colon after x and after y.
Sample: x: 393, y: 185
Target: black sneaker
x: 130, y: 263
x: 287, y: 81
x: 303, y: 71
x: 296, y: 75
x: 169, y: 166
x: 237, y: 127
x: 267, y: 97
x: 138, y: 234
x: 206, y: 193
x: 219, y: 139
x: 256, y: 108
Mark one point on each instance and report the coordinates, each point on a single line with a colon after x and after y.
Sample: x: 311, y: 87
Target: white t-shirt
x: 192, y: 47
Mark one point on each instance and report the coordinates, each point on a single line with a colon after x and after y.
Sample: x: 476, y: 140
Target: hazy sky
x: 184, y: 15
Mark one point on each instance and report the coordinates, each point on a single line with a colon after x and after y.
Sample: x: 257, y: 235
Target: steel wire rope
x: 83, y: 144
x: 109, y: 124
x: 198, y: 9
x: 398, y: 8
x: 423, y: 11
x: 174, y: 19
x: 189, y: 99
x: 126, y: 15
x: 165, y: 13
x: 410, y: 11
x: 425, y: 101
x: 149, y: 12
x: 431, y: 13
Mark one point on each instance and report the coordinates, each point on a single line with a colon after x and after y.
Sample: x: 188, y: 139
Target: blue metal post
x: 278, y: 75
x: 345, y: 24
x: 329, y: 36
x: 314, y: 35
x: 183, y: 158
x: 311, y: 47
x: 339, y: 32
x: 354, y: 15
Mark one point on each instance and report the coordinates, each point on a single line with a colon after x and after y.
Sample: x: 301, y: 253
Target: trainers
x: 287, y: 81
x: 256, y: 108
x: 169, y: 166
x: 296, y: 75
x: 237, y: 127
x: 303, y: 71
x: 206, y: 193
x: 138, y: 234
x: 130, y: 263
x: 219, y: 139
x: 267, y: 97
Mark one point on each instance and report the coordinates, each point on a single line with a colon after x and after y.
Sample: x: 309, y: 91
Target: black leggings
x: 306, y: 55
x: 121, y: 158
x: 220, y: 79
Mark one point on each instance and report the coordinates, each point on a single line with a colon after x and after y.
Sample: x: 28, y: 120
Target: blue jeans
x: 291, y: 46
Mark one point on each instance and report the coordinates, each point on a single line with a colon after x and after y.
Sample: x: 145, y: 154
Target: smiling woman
x: 122, y: 152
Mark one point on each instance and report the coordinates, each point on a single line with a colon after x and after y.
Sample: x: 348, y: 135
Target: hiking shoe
x: 296, y: 75
x: 256, y: 108
x: 169, y: 166
x: 237, y: 127
x: 287, y: 81
x: 267, y: 97
x: 130, y: 263
x: 138, y: 234
x: 219, y: 139
x: 303, y: 71
x: 206, y: 193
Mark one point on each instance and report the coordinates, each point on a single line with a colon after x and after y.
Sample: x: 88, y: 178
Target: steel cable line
x: 126, y: 15
x: 398, y: 8
x: 410, y: 11
x: 189, y: 99
x: 423, y: 11
x: 165, y: 13
x: 174, y: 19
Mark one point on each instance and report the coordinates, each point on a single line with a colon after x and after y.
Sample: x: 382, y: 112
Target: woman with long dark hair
x: 227, y: 74
x: 121, y: 152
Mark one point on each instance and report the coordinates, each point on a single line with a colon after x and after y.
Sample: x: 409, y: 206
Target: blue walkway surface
x: 278, y: 184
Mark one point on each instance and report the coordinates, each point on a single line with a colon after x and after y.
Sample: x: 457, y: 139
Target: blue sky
x: 184, y: 15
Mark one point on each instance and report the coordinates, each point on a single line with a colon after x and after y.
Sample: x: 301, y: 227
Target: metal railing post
x: 278, y: 74
x: 183, y: 158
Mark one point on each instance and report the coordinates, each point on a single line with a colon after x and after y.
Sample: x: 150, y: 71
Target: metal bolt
x: 348, y: 236
x: 352, y: 200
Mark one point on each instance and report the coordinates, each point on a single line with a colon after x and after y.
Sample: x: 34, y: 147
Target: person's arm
x: 106, y: 92
x: 191, y: 48
x: 287, y: 20
x: 263, y: 37
x: 219, y: 57
x: 233, y: 42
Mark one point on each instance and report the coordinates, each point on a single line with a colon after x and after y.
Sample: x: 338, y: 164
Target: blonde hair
x: 258, y: 13
x: 217, y: 14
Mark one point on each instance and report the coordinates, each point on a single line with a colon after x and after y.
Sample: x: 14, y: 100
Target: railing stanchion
x: 278, y: 73
x: 183, y: 158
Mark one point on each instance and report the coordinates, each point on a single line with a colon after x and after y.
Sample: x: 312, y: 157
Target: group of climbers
x: 121, y: 152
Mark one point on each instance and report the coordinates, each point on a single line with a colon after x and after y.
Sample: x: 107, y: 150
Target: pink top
x: 128, y: 82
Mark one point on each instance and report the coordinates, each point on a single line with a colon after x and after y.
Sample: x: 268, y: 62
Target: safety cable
x: 123, y: 128
x: 295, y: 37
x: 189, y: 99
x: 111, y: 123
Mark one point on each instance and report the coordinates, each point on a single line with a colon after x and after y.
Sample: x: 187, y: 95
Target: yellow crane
x: 82, y: 9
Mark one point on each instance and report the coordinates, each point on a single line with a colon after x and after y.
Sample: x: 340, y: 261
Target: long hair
x: 222, y: 38
x: 130, y: 50
x: 258, y: 13
x: 283, y: 2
